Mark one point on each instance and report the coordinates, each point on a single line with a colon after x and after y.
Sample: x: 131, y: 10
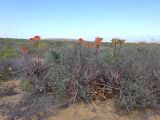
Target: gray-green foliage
x: 140, y: 81
x: 7, y: 67
x: 69, y: 69
x: 68, y: 75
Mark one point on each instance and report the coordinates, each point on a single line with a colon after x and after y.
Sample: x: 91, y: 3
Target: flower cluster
x: 80, y: 40
x: 117, y: 45
x: 35, y: 38
x: 89, y: 45
x: 24, y: 50
x: 118, y: 41
x: 97, y: 42
x: 35, y: 41
x: 36, y: 44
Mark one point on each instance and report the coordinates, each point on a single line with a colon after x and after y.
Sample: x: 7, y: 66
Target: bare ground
x: 80, y: 111
x: 10, y: 100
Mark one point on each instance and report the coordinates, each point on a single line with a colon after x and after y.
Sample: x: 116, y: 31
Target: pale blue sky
x: 130, y: 19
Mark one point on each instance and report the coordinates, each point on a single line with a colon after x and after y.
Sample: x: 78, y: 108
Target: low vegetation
x: 84, y: 71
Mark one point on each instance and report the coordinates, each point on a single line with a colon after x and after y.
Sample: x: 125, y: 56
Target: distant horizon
x: 143, y: 38
x: 127, y: 19
x: 134, y: 39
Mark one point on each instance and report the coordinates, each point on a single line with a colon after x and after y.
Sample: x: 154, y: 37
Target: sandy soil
x: 80, y: 111
x: 100, y: 111
x: 11, y: 99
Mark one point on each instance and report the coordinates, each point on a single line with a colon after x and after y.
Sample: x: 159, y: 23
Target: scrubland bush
x: 8, y: 66
x: 140, y: 84
x: 68, y: 75
x: 131, y: 74
x: 32, y: 65
x: 35, y: 103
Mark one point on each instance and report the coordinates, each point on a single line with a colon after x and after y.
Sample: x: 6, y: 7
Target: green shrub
x: 5, y: 69
x: 8, y: 68
x: 26, y: 86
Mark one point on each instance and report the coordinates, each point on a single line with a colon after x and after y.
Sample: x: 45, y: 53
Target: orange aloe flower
x: 88, y: 45
x: 80, y: 40
x: 98, y: 41
x: 24, y: 50
x: 37, y: 38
